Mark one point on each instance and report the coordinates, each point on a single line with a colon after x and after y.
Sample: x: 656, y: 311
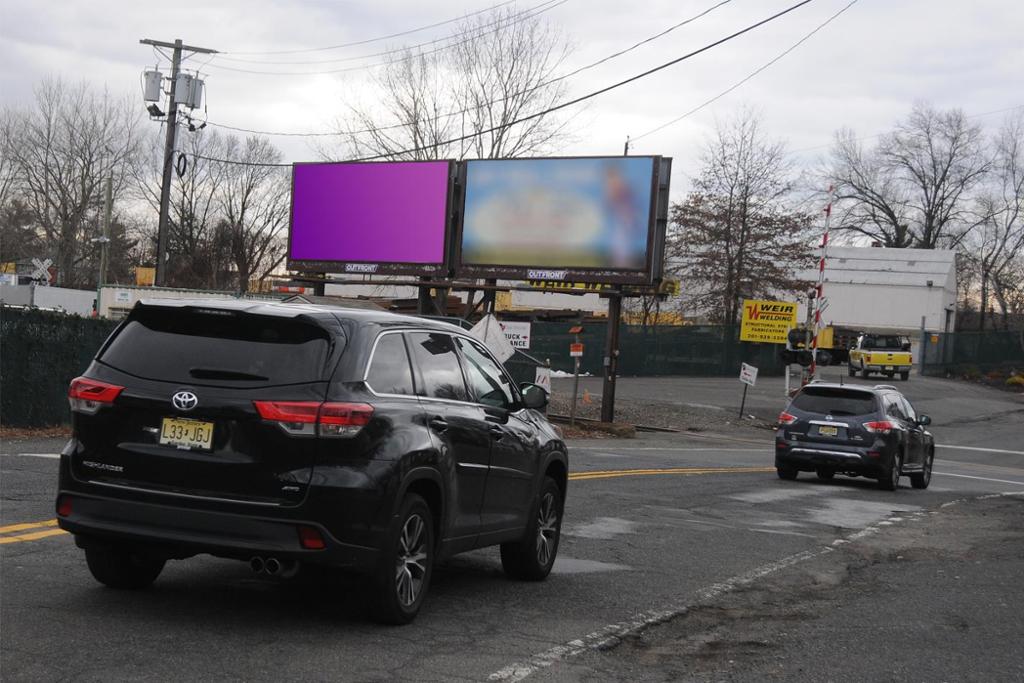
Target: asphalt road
x: 665, y: 537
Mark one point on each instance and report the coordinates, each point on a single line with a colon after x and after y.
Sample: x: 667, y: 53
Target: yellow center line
x: 608, y: 474
x: 32, y: 537
x: 28, y: 525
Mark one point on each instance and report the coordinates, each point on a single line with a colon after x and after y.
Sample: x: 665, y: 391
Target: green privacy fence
x: 972, y: 352
x: 644, y: 351
x: 40, y: 353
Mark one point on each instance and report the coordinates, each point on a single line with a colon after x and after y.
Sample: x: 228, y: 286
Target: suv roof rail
x: 886, y: 386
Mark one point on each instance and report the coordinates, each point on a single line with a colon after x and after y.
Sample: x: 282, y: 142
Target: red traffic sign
x: 575, y: 350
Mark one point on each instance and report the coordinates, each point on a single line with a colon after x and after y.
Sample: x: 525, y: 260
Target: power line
x: 550, y: 5
x: 378, y: 38
x: 567, y: 103
x: 750, y: 76
x: 354, y: 58
x: 477, y: 107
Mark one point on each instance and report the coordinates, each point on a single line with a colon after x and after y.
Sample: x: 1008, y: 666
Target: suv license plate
x: 187, y: 434
x: 828, y: 431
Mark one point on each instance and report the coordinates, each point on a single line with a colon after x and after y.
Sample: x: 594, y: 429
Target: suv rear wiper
x: 213, y: 373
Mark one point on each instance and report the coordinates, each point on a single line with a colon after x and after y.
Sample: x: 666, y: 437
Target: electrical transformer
x: 188, y: 91
x: 151, y: 86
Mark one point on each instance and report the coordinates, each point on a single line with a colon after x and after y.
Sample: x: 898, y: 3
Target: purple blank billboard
x: 369, y: 213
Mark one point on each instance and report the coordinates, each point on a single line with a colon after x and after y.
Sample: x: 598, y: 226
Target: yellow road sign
x: 767, y: 321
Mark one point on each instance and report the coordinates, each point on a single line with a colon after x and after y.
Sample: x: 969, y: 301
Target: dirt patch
x: 24, y: 433
x: 665, y: 415
x: 933, y: 597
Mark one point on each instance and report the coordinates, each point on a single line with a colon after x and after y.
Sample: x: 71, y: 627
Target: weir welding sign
x: 767, y: 321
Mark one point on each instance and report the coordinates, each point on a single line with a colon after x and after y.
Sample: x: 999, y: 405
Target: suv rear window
x: 217, y: 347
x: 834, y: 401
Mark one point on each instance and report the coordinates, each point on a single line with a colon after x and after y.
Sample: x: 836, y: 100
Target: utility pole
x: 105, y: 239
x: 172, y: 131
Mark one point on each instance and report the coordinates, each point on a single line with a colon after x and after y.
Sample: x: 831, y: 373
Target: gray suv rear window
x: 834, y: 401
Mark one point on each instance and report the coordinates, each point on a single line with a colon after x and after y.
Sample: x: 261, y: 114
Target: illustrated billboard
x: 583, y: 219
x: 371, y: 218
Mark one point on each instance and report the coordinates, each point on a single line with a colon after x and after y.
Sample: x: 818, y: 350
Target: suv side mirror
x: 534, y: 396
x: 923, y: 420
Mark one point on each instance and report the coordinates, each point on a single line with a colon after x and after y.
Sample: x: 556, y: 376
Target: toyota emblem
x: 827, y: 417
x: 184, y: 400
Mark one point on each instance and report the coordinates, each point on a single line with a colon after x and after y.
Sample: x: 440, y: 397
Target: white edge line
x: 982, y: 450
x: 614, y: 633
x: 967, y: 476
x: 51, y: 456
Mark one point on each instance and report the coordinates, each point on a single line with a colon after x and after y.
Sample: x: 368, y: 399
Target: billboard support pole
x: 424, y: 305
x: 490, y: 295
x: 611, y: 359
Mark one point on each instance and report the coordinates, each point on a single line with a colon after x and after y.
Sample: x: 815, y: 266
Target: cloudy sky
x: 864, y: 70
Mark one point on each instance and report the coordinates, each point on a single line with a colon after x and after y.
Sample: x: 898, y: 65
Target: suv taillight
x: 89, y: 395
x: 786, y: 419
x: 879, y: 427
x: 312, y: 418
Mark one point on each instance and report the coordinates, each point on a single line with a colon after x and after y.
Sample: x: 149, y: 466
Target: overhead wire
x: 544, y: 7
x: 563, y: 105
x: 752, y: 74
x: 378, y: 39
x: 477, y: 107
x: 352, y: 58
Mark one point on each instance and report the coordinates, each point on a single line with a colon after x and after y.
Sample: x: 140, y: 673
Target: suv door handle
x: 438, y: 424
x: 497, y: 433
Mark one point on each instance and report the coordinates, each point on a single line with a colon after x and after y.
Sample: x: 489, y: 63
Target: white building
x: 874, y: 288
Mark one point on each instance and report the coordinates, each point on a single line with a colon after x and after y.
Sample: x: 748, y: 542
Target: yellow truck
x: 885, y: 354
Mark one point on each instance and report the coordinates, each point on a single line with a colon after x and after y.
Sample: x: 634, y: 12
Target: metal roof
x: 880, y: 266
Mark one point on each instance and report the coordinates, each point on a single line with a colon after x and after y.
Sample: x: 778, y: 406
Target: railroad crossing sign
x: 42, y: 271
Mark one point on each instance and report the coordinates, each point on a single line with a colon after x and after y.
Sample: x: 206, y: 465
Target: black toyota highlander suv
x: 283, y: 434
x: 855, y: 430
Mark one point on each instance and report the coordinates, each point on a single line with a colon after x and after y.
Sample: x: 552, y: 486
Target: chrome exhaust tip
x: 257, y: 565
x: 272, y: 566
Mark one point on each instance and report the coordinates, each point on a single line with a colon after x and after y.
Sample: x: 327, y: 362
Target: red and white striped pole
x: 819, y: 290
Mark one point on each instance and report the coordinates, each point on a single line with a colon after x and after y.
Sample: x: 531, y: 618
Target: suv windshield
x: 219, y: 346
x: 834, y: 401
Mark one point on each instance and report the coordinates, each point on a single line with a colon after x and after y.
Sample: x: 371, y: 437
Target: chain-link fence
x: 40, y: 353
x: 967, y: 353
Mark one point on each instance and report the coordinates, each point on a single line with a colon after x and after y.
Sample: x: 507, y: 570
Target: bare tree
x: 62, y: 149
x: 996, y: 244
x: 498, y: 68
x: 254, y: 205
x: 912, y: 189
x: 194, y: 206
x: 734, y: 236
x: 414, y: 107
x: 503, y: 77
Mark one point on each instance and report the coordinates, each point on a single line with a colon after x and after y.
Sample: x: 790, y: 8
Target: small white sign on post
x: 748, y: 374
x: 518, y: 334
x: 543, y: 378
